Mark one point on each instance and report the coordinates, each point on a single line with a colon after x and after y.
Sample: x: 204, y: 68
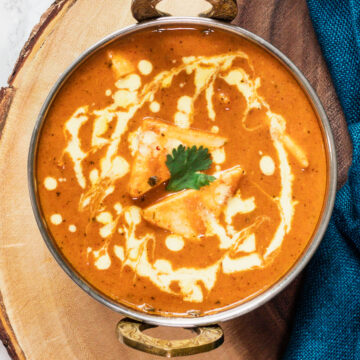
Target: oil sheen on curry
x: 143, y: 120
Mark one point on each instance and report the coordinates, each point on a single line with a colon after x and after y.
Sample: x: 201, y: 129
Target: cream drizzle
x: 130, y: 97
x: 50, y: 183
x: 73, y: 147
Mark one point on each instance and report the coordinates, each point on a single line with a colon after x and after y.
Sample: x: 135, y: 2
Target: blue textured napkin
x: 327, y: 319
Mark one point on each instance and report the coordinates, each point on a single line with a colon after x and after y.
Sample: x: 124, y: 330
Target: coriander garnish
x: 184, y: 164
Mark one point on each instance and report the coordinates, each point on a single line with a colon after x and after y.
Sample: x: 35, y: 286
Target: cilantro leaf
x: 184, y: 164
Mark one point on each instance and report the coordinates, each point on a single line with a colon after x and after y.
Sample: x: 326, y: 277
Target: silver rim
x: 237, y: 310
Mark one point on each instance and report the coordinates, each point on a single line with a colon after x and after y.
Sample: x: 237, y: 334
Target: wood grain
x: 43, y: 314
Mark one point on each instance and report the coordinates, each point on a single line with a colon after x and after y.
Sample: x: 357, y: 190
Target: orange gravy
x: 197, y: 251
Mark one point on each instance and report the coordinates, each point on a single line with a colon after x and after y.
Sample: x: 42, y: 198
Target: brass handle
x: 130, y: 332
x: 221, y: 10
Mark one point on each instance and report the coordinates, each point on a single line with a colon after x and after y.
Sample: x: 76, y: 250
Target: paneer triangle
x: 185, y: 213
x: 155, y: 140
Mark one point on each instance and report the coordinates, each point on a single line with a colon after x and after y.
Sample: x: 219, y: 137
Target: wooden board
x: 43, y: 314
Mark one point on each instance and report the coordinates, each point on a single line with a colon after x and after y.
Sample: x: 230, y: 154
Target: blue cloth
x: 327, y: 319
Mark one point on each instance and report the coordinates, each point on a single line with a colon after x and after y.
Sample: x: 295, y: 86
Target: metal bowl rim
x: 257, y: 300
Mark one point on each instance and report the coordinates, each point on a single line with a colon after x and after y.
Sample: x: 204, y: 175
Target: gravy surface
x: 101, y: 174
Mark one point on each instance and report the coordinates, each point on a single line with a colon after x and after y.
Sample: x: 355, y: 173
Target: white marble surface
x: 17, y: 18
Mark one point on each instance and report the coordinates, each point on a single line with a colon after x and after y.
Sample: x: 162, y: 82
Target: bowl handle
x: 221, y: 9
x: 130, y: 332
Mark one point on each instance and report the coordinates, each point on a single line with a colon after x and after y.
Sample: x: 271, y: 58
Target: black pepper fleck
x: 152, y: 181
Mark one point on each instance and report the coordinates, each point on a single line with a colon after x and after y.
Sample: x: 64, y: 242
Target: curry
x: 181, y: 171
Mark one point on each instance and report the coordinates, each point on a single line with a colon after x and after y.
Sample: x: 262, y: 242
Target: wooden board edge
x: 39, y: 33
x: 7, y: 335
x: 37, y: 37
x: 6, y: 97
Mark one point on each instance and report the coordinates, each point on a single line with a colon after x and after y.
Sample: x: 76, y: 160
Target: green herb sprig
x: 184, y: 164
